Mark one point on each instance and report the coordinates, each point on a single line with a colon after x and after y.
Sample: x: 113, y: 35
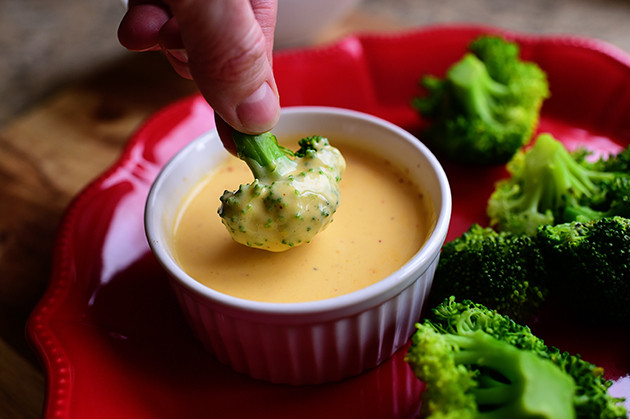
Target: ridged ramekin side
x: 310, y: 352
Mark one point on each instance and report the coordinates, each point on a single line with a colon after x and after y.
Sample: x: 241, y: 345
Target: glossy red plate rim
x: 49, y: 346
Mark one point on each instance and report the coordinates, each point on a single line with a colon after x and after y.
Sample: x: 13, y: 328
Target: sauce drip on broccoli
x: 293, y: 196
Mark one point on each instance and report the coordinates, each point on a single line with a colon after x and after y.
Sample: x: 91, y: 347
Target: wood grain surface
x: 47, y: 156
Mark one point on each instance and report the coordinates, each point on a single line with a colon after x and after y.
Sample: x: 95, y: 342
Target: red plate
x: 108, y: 330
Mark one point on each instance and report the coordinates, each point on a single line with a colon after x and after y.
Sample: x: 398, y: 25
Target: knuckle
x: 241, y: 62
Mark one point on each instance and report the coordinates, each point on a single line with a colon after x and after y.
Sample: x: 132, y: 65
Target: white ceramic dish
x: 311, y: 342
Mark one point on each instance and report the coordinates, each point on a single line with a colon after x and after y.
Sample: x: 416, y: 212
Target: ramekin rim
x: 355, y: 301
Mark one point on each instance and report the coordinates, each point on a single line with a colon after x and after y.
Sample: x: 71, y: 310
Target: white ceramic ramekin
x: 310, y: 342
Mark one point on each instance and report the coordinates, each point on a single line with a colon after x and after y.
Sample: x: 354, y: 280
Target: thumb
x: 228, y: 44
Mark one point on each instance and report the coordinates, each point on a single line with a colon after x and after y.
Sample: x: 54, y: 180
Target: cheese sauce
x: 288, y: 208
x: 383, y: 219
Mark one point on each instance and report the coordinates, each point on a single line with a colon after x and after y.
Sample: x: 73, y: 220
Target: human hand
x: 224, y: 46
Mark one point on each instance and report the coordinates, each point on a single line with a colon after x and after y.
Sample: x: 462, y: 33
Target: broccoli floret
x: 619, y: 162
x: 589, y: 267
x: 610, y: 199
x: 487, y: 106
x: 502, y: 270
x: 471, y: 374
x: 613, y: 197
x: 583, y: 266
x: 463, y: 348
x: 293, y: 196
x: 549, y: 185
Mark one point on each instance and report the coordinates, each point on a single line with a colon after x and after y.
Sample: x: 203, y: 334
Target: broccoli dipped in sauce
x: 486, y: 106
x: 293, y: 196
x: 547, y: 184
x: 477, y: 363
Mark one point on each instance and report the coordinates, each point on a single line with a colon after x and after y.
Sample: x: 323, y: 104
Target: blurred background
x: 48, y: 43
x: 70, y: 97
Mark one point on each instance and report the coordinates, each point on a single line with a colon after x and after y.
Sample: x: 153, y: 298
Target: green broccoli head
x: 449, y: 386
x: 444, y: 354
x: 503, y: 271
x: 619, y: 163
x: 457, y: 316
x: 487, y: 105
x: 502, y: 59
x: 545, y: 181
x: 589, y: 265
x: 293, y: 196
x: 471, y: 374
x: 501, y: 56
x: 612, y: 197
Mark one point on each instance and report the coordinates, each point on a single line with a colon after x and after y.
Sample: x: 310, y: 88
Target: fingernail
x: 179, y: 55
x: 259, y: 112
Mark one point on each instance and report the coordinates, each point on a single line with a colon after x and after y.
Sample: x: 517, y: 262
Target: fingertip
x: 179, y: 62
x: 225, y: 132
x: 140, y: 27
x: 170, y: 36
x: 260, y: 111
x: 171, y: 43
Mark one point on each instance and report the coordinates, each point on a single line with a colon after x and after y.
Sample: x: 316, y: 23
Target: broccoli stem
x: 498, y: 394
x: 550, y: 163
x: 550, y: 155
x: 513, y: 382
x: 474, y: 87
x: 265, y: 157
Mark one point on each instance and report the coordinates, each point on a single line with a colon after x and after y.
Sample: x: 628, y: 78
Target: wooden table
x: 47, y: 156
